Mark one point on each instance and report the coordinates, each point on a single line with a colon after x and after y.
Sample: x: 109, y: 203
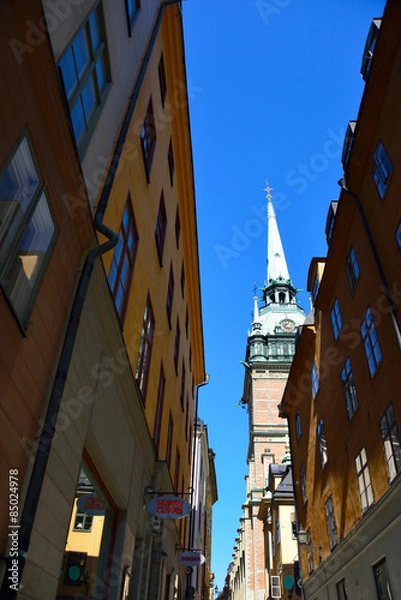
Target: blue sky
x: 272, y: 86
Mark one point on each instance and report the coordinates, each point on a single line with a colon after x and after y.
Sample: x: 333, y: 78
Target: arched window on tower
x: 281, y: 297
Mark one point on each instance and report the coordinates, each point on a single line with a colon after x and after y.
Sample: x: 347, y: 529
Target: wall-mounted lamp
x: 303, y: 540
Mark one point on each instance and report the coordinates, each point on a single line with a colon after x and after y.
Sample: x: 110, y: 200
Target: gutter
x: 48, y: 431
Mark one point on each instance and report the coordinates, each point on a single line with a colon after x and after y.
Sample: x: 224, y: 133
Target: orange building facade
x: 102, y: 350
x: 341, y: 397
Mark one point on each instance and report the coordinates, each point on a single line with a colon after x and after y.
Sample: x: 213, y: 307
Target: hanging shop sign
x: 91, y: 504
x: 191, y: 559
x: 169, y: 507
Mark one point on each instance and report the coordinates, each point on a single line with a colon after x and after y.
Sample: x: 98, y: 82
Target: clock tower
x: 269, y: 353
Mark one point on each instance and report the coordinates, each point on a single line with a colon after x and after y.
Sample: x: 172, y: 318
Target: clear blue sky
x: 272, y: 84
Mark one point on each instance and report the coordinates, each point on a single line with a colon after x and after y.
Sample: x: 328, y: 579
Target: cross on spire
x: 268, y: 189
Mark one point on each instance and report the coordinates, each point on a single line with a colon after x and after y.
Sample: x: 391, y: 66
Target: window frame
x: 148, y: 139
x: 336, y: 319
x: 17, y: 238
x: 157, y: 427
x: 349, y: 388
x: 161, y: 70
x: 302, y: 479
x: 331, y: 522
x: 122, y: 252
x: 364, y: 480
x: 371, y: 342
x: 161, y: 228
x: 389, y: 433
x: 298, y: 426
x: 96, y: 56
x: 341, y: 590
x: 382, y: 169
x: 322, y: 443
x: 145, y: 349
x: 132, y: 14
x: 177, y: 340
x: 382, y: 563
x: 352, y: 269
x: 314, y: 375
x: 170, y: 296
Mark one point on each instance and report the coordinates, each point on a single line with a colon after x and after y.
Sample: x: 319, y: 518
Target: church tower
x: 269, y: 354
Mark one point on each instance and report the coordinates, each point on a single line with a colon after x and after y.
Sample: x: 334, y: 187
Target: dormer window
x: 330, y: 221
x: 370, y: 48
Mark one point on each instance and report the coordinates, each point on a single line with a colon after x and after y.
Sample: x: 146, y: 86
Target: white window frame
x: 28, y: 229
x: 364, y: 480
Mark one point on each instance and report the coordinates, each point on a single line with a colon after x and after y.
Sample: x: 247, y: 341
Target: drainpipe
x: 343, y: 184
x: 47, y: 434
x: 191, y: 516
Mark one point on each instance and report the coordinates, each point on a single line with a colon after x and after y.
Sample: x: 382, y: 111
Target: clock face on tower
x: 287, y: 325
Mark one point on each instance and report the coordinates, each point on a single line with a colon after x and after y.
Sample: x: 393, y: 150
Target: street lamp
x: 303, y: 540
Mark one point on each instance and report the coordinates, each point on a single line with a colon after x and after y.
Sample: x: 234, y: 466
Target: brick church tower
x: 269, y: 354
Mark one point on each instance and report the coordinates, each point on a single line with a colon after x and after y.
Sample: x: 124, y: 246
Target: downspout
x: 47, y: 434
x: 188, y: 595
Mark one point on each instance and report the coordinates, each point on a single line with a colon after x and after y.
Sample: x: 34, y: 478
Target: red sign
x: 191, y: 558
x: 169, y: 507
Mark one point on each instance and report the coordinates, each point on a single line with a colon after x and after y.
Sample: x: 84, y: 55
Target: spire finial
x: 268, y: 189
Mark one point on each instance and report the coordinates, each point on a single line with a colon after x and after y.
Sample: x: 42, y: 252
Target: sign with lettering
x: 191, y: 559
x: 169, y: 507
x: 91, y: 504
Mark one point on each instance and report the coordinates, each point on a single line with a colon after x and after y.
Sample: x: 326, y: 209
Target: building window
x: 322, y: 443
x: 169, y: 446
x: 82, y: 522
x: 122, y: 264
x: 159, y: 409
x: 177, y: 228
x: 170, y: 295
x: 162, y: 80
x: 186, y: 419
x: 364, y: 482
x: 182, y: 392
x: 148, y: 139
x: 336, y: 320
x: 132, y: 8
x: 382, y: 581
x: 315, y: 288
x: 177, y: 346
x: 341, y: 590
x: 370, y: 342
x: 27, y: 230
x: 315, y: 380
x: 347, y: 379
x: 85, y: 73
x: 161, y: 227
x: 352, y: 269
x: 145, y: 349
x: 278, y: 531
x: 170, y: 158
x: 177, y: 470
x: 302, y: 477
x: 331, y: 522
x: 398, y: 236
x: 182, y: 281
x: 298, y: 428
x: 391, y: 442
x: 381, y: 169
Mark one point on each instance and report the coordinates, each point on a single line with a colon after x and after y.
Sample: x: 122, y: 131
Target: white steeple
x: 276, y: 262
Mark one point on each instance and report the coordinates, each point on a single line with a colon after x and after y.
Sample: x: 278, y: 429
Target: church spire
x: 276, y: 262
